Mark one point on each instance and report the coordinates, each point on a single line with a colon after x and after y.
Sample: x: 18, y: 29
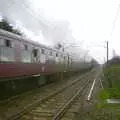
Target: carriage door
x: 35, y: 55
x: 7, y: 51
x: 43, y: 56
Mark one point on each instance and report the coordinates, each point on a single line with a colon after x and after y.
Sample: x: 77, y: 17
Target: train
x: 21, y: 57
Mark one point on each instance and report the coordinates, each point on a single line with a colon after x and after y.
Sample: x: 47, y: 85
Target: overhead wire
x: 114, y: 21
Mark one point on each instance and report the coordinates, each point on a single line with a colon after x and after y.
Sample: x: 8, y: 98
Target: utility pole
x: 107, y: 51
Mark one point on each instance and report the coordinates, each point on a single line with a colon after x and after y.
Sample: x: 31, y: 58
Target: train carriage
x: 20, y: 57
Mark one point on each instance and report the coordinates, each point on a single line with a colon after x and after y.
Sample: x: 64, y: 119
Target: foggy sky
x: 20, y: 13
x: 67, y: 21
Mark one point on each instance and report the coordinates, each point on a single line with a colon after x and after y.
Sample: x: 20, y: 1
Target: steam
x: 39, y: 28
x: 36, y: 26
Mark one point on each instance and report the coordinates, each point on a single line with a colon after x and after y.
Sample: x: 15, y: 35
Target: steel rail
x: 30, y: 106
x: 67, y: 105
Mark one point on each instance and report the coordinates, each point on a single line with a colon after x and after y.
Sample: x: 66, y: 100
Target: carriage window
x: 42, y: 51
x: 68, y: 58
x: 56, y: 54
x: 8, y: 43
x: 51, y: 53
x: 26, y: 47
x: 35, y: 52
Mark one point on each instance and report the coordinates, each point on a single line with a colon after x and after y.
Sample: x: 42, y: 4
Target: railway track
x: 63, y: 113
x: 72, y: 108
x: 22, y: 95
x: 19, y: 103
x: 55, y: 105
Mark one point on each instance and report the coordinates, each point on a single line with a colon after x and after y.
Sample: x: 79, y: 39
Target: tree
x: 59, y: 46
x: 5, y: 25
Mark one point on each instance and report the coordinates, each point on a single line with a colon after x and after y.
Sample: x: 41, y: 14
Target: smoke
x: 34, y: 25
x: 37, y: 26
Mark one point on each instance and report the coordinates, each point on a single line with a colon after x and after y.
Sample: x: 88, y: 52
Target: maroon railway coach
x: 20, y: 57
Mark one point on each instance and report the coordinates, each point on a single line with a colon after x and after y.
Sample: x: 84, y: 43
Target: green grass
x: 103, y: 107
x: 101, y: 97
x: 111, y: 90
x: 112, y: 80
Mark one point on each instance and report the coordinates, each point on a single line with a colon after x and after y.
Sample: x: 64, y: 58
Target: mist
x: 36, y: 25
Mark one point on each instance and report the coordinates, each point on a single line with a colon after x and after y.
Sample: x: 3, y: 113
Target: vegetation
x: 112, y: 80
x: 103, y: 109
x: 111, y: 90
x: 5, y: 25
x: 103, y: 95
